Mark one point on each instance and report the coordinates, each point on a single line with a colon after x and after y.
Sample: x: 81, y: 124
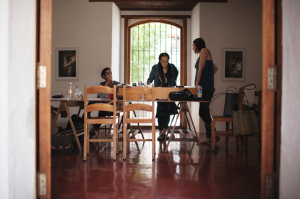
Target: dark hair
x: 160, y: 67
x: 103, y: 71
x: 163, y: 55
x: 199, y: 43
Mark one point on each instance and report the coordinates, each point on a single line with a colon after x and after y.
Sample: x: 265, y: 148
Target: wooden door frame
x: 279, y: 92
x: 162, y: 19
x: 271, y: 100
x: 183, y: 45
x: 44, y: 46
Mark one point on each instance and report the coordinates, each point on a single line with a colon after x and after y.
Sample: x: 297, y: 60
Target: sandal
x: 205, y: 141
x: 162, y: 137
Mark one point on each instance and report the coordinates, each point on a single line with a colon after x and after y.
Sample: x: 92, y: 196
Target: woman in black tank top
x: 204, y: 79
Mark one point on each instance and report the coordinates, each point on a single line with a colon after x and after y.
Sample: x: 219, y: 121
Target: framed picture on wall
x: 66, y: 63
x: 234, y: 64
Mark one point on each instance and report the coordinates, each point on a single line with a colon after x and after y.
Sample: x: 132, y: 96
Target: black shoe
x: 162, y: 137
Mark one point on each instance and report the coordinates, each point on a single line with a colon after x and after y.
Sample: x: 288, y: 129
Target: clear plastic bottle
x: 199, y: 92
x: 76, y: 94
x: 71, y: 91
x: 79, y: 97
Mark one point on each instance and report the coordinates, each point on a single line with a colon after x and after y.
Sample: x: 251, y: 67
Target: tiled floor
x: 186, y: 171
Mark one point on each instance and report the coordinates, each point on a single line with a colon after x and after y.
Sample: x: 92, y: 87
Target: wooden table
x: 159, y: 92
x: 163, y: 93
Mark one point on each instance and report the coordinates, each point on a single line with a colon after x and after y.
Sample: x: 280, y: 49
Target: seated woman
x: 107, y: 76
x: 164, y: 74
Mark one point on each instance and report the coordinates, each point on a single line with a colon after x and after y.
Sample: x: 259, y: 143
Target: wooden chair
x: 227, y: 132
x: 135, y: 94
x: 258, y: 108
x: 100, y: 120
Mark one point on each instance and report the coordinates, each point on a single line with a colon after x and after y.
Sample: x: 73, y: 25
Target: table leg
x: 192, y: 122
x: 172, y: 133
x: 55, y: 119
x: 73, y: 128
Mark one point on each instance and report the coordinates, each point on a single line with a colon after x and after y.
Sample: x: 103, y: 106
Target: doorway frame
x: 160, y: 19
x: 43, y: 97
x: 271, y: 99
x: 268, y: 96
x: 183, y: 45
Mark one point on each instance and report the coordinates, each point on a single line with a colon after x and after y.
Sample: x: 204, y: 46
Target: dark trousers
x: 204, y: 111
x: 102, y: 114
x: 163, y: 122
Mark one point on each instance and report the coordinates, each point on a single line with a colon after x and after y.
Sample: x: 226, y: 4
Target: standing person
x: 164, y: 74
x: 204, y: 79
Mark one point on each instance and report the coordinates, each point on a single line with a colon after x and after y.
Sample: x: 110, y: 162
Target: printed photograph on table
x: 234, y: 64
x: 66, y: 63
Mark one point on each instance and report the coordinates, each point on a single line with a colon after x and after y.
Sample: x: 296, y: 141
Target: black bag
x: 63, y: 144
x: 231, y: 100
x: 78, y: 122
x: 231, y: 103
x: 185, y: 94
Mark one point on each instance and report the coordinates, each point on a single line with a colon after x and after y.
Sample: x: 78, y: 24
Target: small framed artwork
x: 233, y: 66
x: 66, y: 63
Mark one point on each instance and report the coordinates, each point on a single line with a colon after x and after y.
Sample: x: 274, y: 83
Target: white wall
x: 4, y: 61
x: 17, y: 79
x: 290, y: 126
x: 115, y: 47
x: 235, y: 24
x: 191, y: 71
x: 92, y: 27
x: 88, y: 26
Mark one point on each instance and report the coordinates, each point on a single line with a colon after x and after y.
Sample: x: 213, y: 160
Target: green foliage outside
x: 147, y: 42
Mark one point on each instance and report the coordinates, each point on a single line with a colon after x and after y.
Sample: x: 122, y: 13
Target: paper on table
x: 59, y: 99
x: 97, y: 99
x: 162, y: 99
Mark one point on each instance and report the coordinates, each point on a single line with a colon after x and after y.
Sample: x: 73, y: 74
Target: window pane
x: 147, y: 42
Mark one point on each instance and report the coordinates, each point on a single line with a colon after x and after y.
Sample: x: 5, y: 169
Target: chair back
x: 258, y: 107
x: 131, y: 94
x: 137, y: 94
x: 100, y: 106
x: 241, y: 98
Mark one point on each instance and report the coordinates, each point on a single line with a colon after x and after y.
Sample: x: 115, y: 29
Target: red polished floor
x: 186, y: 171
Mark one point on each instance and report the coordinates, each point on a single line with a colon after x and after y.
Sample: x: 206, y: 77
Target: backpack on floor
x: 63, y: 144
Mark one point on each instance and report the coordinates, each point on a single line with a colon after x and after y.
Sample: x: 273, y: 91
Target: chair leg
x: 124, y: 140
x: 241, y: 143
x: 97, y: 134
x: 106, y: 136
x: 84, y: 142
x: 213, y: 135
x: 153, y: 142
x: 227, y: 129
x: 88, y: 141
x: 246, y: 142
x: 117, y: 139
x: 114, y: 143
x: 132, y: 135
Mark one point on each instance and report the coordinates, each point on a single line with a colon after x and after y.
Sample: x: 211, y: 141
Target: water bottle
x: 199, y: 92
x: 76, y: 94
x: 71, y: 91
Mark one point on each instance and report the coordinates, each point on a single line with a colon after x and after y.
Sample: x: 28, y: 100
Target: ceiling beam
x: 158, y: 5
x: 159, y: 1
